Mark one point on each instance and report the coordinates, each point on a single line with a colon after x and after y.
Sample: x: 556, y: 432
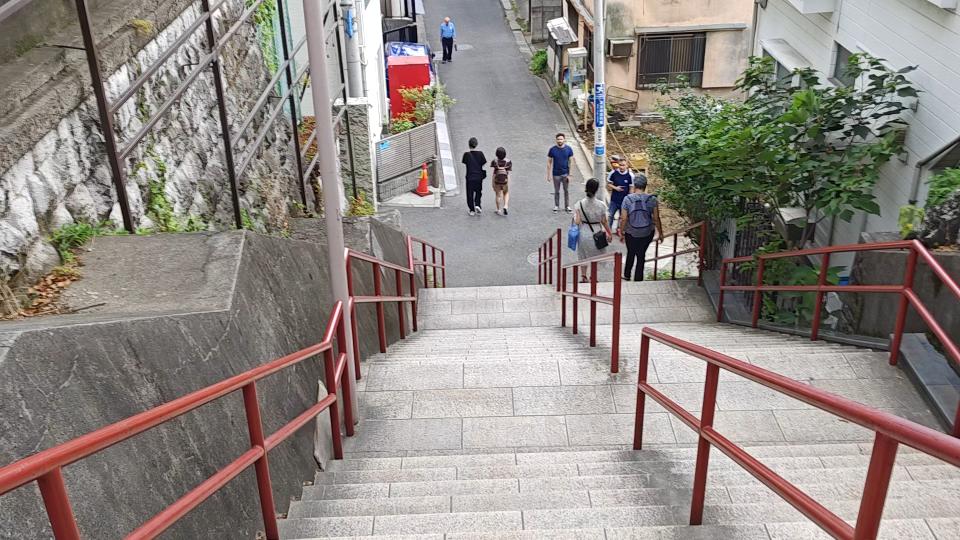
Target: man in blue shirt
x: 448, y: 36
x: 559, y: 160
x: 619, y: 183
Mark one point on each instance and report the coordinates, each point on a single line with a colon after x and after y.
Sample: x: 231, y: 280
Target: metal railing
x: 215, y: 46
x: 594, y: 298
x: 45, y: 467
x: 907, y: 295
x: 673, y: 265
x: 400, y: 298
x: 546, y: 254
x: 891, y: 431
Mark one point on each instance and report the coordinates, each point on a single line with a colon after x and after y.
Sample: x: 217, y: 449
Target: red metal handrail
x: 890, y: 430
x: 907, y: 295
x: 673, y: 267
x: 400, y: 298
x: 45, y: 467
x: 548, y: 252
x: 594, y: 298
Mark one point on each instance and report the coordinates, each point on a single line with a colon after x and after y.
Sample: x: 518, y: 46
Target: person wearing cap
x: 619, y: 182
x: 639, y: 215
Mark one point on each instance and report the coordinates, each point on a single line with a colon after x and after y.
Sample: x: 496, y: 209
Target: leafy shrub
x: 76, y: 234
x: 360, y: 206
x: 538, y: 64
x: 909, y: 219
x: 942, y: 186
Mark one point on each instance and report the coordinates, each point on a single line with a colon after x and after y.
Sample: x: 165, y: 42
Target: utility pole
x: 599, y: 96
x: 350, y: 25
x: 329, y: 175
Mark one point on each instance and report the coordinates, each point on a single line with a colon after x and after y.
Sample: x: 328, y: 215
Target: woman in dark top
x: 474, y: 161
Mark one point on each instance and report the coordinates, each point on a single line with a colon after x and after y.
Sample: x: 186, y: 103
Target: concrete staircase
x: 522, y: 432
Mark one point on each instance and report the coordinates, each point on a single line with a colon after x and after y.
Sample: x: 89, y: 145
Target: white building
x: 924, y: 33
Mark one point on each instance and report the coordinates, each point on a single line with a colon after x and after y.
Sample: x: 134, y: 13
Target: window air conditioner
x: 620, y: 47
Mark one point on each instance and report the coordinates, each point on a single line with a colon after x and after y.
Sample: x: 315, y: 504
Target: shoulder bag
x: 599, y: 237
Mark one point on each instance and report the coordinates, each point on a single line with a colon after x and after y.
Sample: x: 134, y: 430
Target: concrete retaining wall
x: 182, y: 312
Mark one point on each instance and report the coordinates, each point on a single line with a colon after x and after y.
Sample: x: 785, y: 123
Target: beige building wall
x: 727, y: 24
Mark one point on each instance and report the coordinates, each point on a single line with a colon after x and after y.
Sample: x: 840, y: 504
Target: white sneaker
x: 499, y: 213
x: 556, y: 209
x: 479, y: 210
x: 569, y: 210
x: 472, y: 213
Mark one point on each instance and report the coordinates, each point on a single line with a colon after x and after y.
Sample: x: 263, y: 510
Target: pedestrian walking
x: 559, y: 161
x: 619, y: 183
x: 639, y: 214
x: 592, y: 212
x: 448, y: 36
x: 474, y: 160
x: 501, y: 167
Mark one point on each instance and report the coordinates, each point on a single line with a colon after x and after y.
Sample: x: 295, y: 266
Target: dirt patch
x: 45, y: 298
x: 632, y: 140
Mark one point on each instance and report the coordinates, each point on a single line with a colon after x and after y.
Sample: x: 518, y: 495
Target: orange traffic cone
x: 422, y: 189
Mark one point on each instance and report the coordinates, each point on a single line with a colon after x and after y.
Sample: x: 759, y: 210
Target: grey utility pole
x: 329, y: 175
x: 351, y: 27
x: 599, y: 96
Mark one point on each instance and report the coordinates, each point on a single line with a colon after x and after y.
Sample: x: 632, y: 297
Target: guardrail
x: 891, y: 431
x: 549, y: 252
x: 379, y: 298
x: 907, y: 296
x: 673, y: 266
x: 45, y: 467
x: 594, y: 298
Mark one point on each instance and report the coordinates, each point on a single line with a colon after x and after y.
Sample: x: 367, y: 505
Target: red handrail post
x: 559, y: 258
x: 757, y: 296
x: 443, y: 263
x: 703, y: 445
x: 413, y: 292
x: 426, y: 278
x: 255, y: 426
x: 875, y: 491
x: 433, y: 258
x: 904, y: 304
x: 576, y: 308
x: 673, y: 265
x: 348, y: 416
x: 821, y: 283
x: 378, y: 291
x: 330, y: 369
x: 400, y: 307
x: 540, y: 265
x: 550, y: 261
x: 723, y: 282
x: 615, y: 339
x: 563, y: 300
x: 641, y: 395
x: 57, y: 503
x: 593, y: 304
x: 356, y: 338
x: 656, y: 257
x: 703, y: 250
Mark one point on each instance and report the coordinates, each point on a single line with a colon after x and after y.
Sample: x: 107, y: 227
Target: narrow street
x: 501, y: 103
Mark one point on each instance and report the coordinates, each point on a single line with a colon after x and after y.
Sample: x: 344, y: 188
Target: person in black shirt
x: 474, y: 161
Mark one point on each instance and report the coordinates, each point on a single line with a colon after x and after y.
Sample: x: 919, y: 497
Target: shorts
x: 501, y: 188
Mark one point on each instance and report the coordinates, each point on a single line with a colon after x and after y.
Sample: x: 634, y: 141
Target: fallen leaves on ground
x: 45, y: 298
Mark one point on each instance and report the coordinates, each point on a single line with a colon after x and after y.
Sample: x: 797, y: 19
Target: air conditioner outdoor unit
x: 620, y: 47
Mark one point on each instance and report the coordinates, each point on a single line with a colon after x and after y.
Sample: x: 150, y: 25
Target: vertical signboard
x: 599, y: 119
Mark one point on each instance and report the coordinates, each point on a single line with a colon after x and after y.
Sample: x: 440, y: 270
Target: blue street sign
x: 384, y: 145
x: 599, y: 110
x: 598, y: 151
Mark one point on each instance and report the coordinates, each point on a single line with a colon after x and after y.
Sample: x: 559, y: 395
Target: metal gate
x: 404, y: 152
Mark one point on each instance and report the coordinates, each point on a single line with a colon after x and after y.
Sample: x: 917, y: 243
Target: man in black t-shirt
x: 474, y: 161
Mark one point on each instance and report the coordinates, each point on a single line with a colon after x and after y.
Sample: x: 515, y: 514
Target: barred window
x: 669, y: 57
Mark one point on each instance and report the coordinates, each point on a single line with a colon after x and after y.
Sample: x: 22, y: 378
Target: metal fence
x: 404, y: 152
x: 236, y: 162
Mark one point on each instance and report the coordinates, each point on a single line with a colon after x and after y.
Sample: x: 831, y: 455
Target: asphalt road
x: 501, y: 104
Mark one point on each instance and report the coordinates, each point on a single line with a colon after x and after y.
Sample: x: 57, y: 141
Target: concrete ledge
x: 932, y: 375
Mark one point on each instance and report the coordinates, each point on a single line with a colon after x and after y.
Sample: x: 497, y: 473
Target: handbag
x: 599, y: 237
x: 573, y: 236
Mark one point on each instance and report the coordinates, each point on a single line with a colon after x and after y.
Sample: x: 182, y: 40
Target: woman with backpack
x: 591, y: 213
x: 639, y: 214
x: 501, y: 180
